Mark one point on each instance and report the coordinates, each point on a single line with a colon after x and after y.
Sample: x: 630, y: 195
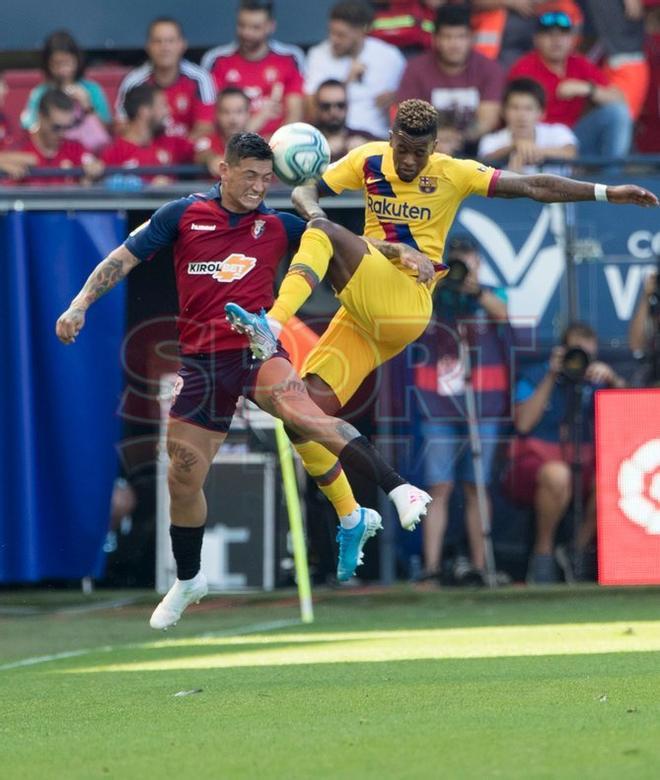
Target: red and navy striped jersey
x: 219, y: 256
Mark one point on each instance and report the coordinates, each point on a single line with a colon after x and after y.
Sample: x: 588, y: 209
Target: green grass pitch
x: 400, y: 684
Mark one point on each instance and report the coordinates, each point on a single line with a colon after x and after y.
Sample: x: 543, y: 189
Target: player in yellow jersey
x: 385, y: 282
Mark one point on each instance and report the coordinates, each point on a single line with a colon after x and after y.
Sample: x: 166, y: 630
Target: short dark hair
x: 331, y: 83
x: 62, y: 41
x: 231, y: 92
x: 416, y: 118
x: 243, y: 145
x: 354, y: 12
x: 55, y: 98
x: 257, y: 5
x: 142, y: 95
x: 452, y: 16
x: 165, y: 20
x: 580, y: 329
x: 525, y: 87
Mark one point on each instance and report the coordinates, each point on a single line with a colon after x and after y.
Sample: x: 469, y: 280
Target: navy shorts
x: 208, y: 386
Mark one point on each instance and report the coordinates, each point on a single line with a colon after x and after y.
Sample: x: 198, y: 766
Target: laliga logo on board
x: 639, y: 487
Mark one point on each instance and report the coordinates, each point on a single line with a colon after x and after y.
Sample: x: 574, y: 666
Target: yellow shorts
x: 383, y: 310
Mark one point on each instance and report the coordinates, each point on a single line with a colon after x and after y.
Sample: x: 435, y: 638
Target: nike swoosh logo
x: 374, y: 180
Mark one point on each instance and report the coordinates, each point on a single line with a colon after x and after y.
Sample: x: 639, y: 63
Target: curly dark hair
x: 244, y: 145
x: 416, y: 118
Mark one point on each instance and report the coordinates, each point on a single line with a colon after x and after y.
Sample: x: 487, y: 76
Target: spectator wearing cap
x: 268, y: 71
x: 577, y: 91
x: 331, y: 110
x: 440, y: 377
x: 189, y: 89
x: 525, y: 142
x: 232, y: 115
x: 62, y: 62
x: 455, y: 78
x: 370, y: 69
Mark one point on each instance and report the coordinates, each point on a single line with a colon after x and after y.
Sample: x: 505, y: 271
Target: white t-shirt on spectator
x: 384, y: 65
x: 547, y: 137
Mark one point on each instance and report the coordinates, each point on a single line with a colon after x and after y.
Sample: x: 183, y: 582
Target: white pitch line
x: 253, y: 628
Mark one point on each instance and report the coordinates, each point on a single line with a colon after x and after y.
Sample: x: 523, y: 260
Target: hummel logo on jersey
x: 195, y: 226
x: 230, y: 269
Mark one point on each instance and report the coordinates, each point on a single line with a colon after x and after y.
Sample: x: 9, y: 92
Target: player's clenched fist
x: 69, y: 325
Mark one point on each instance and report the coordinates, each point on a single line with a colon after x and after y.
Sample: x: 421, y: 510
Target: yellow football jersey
x: 418, y: 213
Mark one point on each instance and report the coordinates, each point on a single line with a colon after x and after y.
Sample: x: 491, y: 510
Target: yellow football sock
x: 308, y: 267
x: 328, y: 474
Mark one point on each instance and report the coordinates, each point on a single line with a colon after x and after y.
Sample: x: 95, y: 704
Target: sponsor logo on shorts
x: 196, y: 226
x: 393, y: 210
x: 230, y: 269
x: 258, y: 227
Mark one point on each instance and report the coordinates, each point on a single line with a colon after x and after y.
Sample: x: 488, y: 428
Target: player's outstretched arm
x: 104, y: 277
x: 547, y: 188
x: 305, y: 199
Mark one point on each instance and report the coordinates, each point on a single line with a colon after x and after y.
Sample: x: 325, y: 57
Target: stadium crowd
x: 516, y: 83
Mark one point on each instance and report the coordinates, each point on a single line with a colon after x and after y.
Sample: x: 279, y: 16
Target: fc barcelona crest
x: 258, y: 227
x: 428, y: 184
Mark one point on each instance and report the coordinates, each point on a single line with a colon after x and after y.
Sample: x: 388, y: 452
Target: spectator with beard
x: 331, y: 104
x: 269, y: 72
x: 144, y: 141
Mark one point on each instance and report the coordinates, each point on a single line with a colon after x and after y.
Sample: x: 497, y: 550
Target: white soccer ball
x: 301, y: 152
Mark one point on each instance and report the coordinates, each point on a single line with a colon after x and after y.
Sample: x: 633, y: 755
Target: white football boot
x: 178, y: 597
x: 411, y: 504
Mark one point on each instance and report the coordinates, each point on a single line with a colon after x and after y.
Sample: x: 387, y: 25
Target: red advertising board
x: 628, y: 486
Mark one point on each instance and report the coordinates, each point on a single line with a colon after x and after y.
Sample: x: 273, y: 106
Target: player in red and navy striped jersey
x: 227, y: 245
x: 189, y: 89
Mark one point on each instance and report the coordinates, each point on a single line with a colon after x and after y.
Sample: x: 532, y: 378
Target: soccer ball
x: 301, y: 152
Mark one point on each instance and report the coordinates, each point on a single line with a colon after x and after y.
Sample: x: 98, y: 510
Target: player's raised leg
x: 191, y: 450
x: 325, y: 248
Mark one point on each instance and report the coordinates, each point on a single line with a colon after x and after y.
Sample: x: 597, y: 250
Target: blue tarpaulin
x: 58, y: 410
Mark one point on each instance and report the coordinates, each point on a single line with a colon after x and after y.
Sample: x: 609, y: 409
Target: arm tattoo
x: 307, y: 273
x: 543, y: 187
x: 386, y: 248
x: 104, y: 277
x: 296, y: 386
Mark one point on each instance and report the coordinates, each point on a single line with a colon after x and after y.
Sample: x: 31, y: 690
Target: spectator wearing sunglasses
x: 578, y: 92
x: 48, y: 145
x: 331, y: 109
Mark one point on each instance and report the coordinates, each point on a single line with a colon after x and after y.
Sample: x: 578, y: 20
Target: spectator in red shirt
x: 143, y: 140
x: 455, y: 78
x: 5, y: 134
x: 578, y: 93
x: 232, y: 115
x: 331, y: 110
x: 47, y: 146
x: 189, y: 89
x: 266, y: 70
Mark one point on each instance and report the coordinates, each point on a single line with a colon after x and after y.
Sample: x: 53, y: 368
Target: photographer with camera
x: 466, y: 315
x: 553, y: 402
x: 644, y: 331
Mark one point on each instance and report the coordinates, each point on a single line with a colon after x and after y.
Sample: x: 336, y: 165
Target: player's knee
x: 323, y: 224
x: 182, y: 484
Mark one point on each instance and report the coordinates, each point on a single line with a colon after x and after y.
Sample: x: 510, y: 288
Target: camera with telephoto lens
x: 456, y: 275
x: 574, y: 364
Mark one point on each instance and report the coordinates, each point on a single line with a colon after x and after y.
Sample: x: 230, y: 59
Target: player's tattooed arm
x: 547, y: 188
x: 104, y: 277
x: 407, y: 256
x: 305, y: 199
